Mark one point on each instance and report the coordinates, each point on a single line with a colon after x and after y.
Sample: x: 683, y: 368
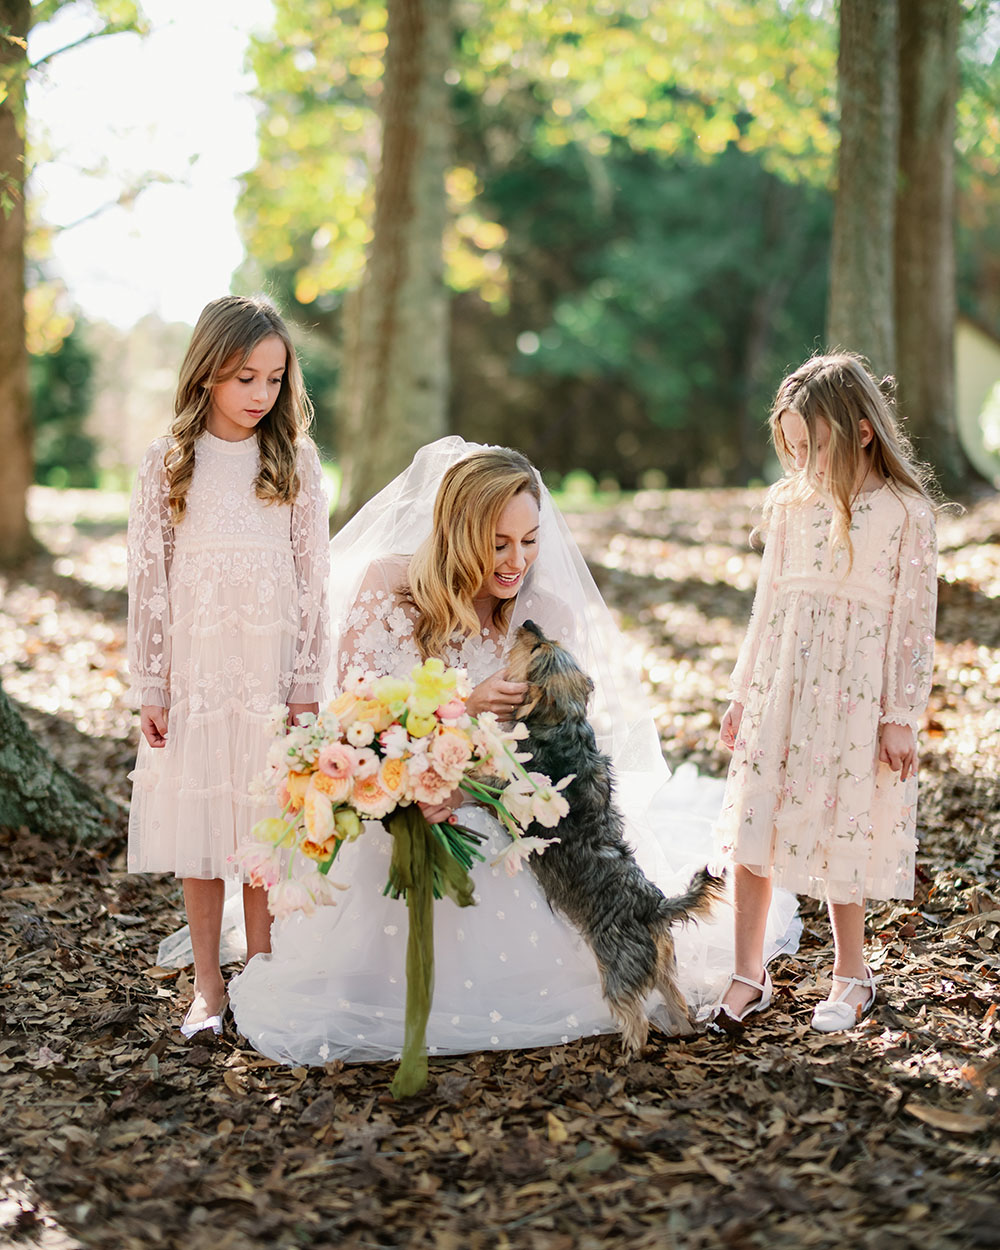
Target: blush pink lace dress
x: 227, y: 618
x: 831, y: 654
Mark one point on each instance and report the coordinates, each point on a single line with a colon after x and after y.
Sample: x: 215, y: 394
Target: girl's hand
x: 443, y: 813
x: 897, y: 747
x: 153, y: 723
x: 295, y: 710
x: 731, y: 725
x: 497, y: 694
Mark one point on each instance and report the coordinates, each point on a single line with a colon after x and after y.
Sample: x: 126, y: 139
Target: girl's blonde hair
x: 839, y: 389
x: 227, y: 332
x: 449, y: 568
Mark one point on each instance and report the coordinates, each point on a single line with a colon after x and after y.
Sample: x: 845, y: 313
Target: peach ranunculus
x: 336, y: 789
x: 375, y: 712
x: 428, y: 786
x: 337, y: 759
x: 297, y: 784
x: 449, y: 753
x: 343, y: 706
x: 370, y: 800
x: 393, y: 778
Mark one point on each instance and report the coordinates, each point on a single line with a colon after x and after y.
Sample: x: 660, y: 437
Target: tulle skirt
x: 509, y: 972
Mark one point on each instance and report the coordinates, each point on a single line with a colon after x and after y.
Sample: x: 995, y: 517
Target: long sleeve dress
x: 509, y: 972
x: 831, y: 654
x: 227, y: 618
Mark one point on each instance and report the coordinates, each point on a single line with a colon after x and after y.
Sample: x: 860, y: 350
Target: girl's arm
x: 310, y: 536
x: 150, y: 552
x: 770, y: 567
x: 909, y: 653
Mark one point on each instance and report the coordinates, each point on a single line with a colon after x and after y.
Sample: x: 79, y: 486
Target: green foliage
x: 61, y: 385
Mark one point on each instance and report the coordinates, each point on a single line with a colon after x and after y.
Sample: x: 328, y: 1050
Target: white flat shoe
x: 834, y: 1015
x: 210, y: 1022
x: 711, y: 1014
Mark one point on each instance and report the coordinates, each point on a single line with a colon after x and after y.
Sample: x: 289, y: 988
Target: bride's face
x: 515, y: 545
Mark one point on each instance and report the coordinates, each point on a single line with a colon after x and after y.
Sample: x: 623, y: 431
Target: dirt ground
x: 116, y: 1135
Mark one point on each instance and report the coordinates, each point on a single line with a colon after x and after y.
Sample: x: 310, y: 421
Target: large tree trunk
x: 394, y: 396
x: 925, y: 246
x: 37, y: 792
x: 860, y: 311
x: 15, y: 412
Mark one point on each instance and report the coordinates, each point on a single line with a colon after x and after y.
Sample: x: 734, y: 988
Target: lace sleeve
x: 770, y: 567
x: 310, y: 534
x: 378, y: 631
x: 150, y: 551
x: 909, y: 655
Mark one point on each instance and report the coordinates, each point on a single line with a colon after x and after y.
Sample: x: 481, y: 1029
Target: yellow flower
x: 273, y: 829
x: 391, y: 690
x: 348, y: 824
x: 392, y: 775
x: 319, y: 851
x: 375, y: 712
x: 318, y: 812
x: 419, y: 726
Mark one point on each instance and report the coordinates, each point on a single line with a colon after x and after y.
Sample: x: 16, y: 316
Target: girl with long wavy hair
x: 227, y: 569
x: 831, y: 681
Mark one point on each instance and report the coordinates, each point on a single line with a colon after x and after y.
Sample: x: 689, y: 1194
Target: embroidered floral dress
x: 227, y: 618
x: 832, y: 653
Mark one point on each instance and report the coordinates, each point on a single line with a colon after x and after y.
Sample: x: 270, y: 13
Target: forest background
x: 637, y: 240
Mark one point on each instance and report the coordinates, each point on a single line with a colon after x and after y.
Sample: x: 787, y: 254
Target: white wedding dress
x: 509, y: 972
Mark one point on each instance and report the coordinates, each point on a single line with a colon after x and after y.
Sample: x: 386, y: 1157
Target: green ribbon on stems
x: 428, y: 861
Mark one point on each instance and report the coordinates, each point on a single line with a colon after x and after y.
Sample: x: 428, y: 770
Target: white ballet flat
x: 718, y: 1008
x: 833, y: 1015
x: 210, y: 1022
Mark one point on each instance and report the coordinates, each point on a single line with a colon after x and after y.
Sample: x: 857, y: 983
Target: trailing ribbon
x: 424, y: 866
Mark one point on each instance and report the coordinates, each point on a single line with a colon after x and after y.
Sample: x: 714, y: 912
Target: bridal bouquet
x: 381, y: 747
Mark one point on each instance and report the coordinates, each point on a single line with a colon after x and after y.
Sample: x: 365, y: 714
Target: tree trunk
x: 37, y: 792
x: 860, y: 310
x: 925, y: 245
x: 15, y: 413
x: 394, y: 396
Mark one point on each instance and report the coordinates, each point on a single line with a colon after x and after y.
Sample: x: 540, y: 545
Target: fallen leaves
x: 116, y: 1135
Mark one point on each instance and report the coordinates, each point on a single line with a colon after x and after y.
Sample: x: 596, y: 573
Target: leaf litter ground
x: 116, y: 1135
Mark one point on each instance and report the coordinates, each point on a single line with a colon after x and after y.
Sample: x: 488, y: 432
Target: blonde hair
x: 839, y: 389
x: 449, y: 568
x: 227, y: 332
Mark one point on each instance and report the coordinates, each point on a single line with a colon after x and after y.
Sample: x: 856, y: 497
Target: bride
x: 447, y: 561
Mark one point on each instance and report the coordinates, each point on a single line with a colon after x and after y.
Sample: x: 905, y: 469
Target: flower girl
x: 227, y: 567
x: 831, y: 681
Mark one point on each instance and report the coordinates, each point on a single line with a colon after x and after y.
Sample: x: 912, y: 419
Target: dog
x: 590, y: 873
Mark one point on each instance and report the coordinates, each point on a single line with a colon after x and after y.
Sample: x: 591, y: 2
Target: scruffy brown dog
x: 590, y: 874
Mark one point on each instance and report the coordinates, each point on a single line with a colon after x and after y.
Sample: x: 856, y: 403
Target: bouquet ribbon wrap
x: 422, y: 867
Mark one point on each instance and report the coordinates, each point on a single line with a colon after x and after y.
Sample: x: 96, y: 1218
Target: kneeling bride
x: 448, y: 561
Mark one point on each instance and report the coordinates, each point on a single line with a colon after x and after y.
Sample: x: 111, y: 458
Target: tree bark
x: 15, y: 412
x: 394, y: 393
x: 925, y: 244
x: 37, y: 792
x: 860, y: 309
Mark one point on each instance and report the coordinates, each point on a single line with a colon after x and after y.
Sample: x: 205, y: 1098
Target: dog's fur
x: 590, y: 874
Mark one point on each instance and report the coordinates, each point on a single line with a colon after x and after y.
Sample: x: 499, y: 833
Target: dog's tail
x: 703, y: 891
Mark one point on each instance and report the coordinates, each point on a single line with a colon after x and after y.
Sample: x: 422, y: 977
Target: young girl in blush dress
x: 227, y: 569
x: 831, y: 680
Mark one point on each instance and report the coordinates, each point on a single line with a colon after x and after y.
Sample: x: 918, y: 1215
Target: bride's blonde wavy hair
x: 839, y: 389
x: 448, y: 569
x: 227, y: 332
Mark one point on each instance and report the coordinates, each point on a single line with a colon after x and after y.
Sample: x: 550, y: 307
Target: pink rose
x: 337, y: 759
x: 451, y: 710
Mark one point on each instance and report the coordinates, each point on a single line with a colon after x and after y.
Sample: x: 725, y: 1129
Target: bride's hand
x: 443, y: 813
x: 497, y: 694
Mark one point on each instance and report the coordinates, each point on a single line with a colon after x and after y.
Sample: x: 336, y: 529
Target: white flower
x: 276, y: 718
x: 360, y: 733
x: 357, y: 682
x: 366, y: 763
x: 395, y: 742
x: 513, y: 856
